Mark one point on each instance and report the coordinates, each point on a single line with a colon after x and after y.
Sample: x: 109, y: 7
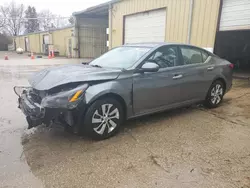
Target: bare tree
x: 71, y: 20
x: 12, y: 15
x: 61, y: 22
x: 48, y: 20
x: 13, y: 19
x: 31, y: 22
x: 2, y: 23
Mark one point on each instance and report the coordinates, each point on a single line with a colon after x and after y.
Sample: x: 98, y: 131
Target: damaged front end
x: 55, y: 105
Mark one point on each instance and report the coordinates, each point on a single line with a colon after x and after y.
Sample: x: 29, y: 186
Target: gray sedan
x: 126, y: 82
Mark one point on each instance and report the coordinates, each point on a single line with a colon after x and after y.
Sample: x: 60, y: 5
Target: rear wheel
x: 215, y: 94
x: 103, y: 119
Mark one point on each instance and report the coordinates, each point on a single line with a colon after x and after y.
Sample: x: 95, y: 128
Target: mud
x: 189, y: 147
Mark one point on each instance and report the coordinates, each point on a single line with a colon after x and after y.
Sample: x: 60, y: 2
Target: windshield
x: 121, y: 57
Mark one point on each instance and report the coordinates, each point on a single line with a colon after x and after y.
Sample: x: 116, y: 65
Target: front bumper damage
x: 37, y: 114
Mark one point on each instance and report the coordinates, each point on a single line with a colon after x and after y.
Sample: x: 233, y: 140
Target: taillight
x: 231, y: 65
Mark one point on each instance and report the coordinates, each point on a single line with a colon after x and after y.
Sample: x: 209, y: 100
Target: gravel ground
x: 188, y: 148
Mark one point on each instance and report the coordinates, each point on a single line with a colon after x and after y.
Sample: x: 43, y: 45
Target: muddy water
x: 192, y: 147
x: 14, y: 170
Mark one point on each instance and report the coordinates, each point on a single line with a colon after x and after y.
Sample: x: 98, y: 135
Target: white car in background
x: 19, y: 50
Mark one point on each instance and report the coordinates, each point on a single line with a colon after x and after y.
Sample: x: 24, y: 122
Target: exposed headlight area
x: 68, y: 99
x: 45, y: 107
x: 19, y: 90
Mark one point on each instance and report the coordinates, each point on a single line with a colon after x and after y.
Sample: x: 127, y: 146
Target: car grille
x: 35, y: 97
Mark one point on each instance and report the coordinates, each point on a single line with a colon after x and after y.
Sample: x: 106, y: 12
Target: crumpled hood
x: 56, y: 76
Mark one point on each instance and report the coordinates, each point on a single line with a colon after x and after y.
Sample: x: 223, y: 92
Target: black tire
x: 95, y: 129
x: 215, y: 95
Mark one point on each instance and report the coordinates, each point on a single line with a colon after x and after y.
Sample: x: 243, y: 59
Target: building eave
x: 47, y: 31
x: 96, y: 9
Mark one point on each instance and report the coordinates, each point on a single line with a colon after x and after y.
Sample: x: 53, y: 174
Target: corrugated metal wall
x: 59, y: 38
x: 92, y: 36
x: 205, y: 21
x: 20, y: 42
x: 34, y: 43
x: 205, y: 17
x: 93, y: 41
x: 235, y: 15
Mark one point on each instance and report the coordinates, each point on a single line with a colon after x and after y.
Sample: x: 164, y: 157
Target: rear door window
x: 191, y: 55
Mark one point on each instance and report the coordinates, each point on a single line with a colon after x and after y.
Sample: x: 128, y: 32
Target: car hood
x: 56, y: 76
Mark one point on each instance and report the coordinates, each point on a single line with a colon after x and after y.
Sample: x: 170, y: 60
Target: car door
x: 157, y: 90
x: 197, y: 73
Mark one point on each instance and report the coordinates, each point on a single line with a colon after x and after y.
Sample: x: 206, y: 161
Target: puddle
x: 14, y: 170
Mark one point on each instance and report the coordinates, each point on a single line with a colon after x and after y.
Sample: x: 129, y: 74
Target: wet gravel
x: 188, y: 148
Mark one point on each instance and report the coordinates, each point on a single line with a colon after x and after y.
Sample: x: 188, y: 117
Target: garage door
x: 145, y: 27
x: 235, y: 15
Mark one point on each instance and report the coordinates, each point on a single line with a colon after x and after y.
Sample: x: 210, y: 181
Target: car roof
x: 149, y: 44
x: 156, y: 44
x: 159, y: 44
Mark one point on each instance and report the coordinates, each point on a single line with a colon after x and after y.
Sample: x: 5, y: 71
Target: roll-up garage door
x: 145, y: 27
x: 235, y: 15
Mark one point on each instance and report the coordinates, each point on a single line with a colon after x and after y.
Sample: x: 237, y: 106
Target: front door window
x: 166, y: 56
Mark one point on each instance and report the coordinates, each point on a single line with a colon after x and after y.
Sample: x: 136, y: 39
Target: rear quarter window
x: 205, y: 55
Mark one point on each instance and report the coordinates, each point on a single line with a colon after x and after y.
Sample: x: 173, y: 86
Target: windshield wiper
x: 96, y: 66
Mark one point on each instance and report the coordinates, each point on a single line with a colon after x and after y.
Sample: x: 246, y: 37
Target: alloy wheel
x: 216, y: 94
x: 105, y: 118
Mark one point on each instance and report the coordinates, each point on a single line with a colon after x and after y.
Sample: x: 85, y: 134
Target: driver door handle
x: 177, y: 76
x: 210, y: 68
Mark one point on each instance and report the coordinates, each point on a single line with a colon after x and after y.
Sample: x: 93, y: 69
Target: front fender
x: 122, y: 88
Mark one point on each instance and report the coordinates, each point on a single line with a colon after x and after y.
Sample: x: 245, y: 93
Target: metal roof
x: 55, y: 29
x: 97, y: 10
x: 101, y: 9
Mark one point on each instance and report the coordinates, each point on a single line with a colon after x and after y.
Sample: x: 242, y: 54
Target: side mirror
x: 149, y: 67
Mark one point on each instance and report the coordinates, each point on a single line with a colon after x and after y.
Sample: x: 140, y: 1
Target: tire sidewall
x: 88, y: 126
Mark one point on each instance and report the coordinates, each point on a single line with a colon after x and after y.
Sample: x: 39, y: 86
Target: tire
x: 103, y: 119
x: 215, y: 94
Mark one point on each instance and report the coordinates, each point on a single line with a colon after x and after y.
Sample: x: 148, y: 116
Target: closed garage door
x: 145, y: 27
x: 235, y: 15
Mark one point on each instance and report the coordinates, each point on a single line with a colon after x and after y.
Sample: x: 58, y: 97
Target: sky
x: 59, y: 7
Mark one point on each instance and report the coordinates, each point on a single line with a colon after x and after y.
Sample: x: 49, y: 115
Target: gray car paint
x: 153, y: 92
x: 56, y: 76
x: 142, y: 93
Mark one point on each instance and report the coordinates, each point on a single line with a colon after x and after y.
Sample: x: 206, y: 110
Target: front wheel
x: 215, y: 94
x: 103, y: 118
